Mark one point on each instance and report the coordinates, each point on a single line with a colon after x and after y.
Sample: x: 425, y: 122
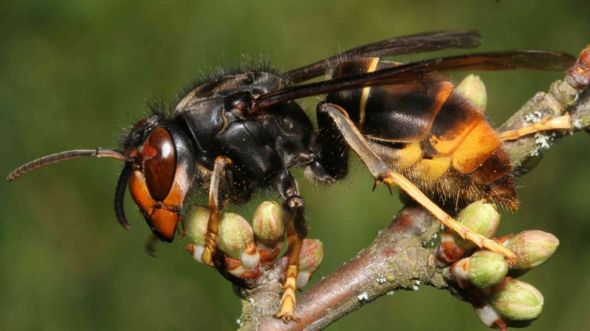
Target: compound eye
x: 159, y: 162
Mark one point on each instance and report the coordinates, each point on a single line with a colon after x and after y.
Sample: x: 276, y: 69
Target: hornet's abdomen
x: 429, y: 132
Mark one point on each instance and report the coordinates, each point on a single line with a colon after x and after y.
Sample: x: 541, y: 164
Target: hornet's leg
x: 296, y: 230
x: 383, y: 173
x: 215, y: 204
x: 563, y: 122
x: 333, y: 148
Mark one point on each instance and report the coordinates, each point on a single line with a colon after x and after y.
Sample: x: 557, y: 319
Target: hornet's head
x: 159, y: 168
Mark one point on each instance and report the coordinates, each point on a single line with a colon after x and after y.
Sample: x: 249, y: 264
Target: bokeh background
x: 74, y: 73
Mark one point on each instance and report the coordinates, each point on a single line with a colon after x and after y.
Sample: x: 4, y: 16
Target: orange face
x: 158, y: 183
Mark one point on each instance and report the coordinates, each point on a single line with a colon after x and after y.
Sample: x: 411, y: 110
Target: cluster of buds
x: 485, y: 278
x: 251, y: 249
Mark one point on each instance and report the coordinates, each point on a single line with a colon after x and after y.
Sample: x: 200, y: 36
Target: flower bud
x: 312, y: 253
x: 482, y: 269
x: 310, y: 258
x: 236, y: 239
x: 268, y: 224
x: 532, y: 248
x: 480, y: 217
x: 195, y: 224
x: 517, y: 301
x: 473, y: 88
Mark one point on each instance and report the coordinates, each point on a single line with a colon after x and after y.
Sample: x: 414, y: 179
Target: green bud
x: 473, y: 88
x: 517, y: 301
x: 310, y: 258
x: 532, y: 248
x: 268, y: 224
x: 482, y: 269
x: 312, y: 253
x: 479, y: 217
x: 236, y: 239
x: 195, y: 224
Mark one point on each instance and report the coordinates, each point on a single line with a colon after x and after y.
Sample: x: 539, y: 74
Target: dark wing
x: 423, y: 42
x: 529, y: 59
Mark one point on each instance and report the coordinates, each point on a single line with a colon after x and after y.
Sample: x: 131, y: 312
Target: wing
x: 528, y: 59
x: 423, y: 42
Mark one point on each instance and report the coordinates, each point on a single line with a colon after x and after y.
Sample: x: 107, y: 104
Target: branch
x: 397, y: 259
x: 561, y: 98
x: 401, y: 256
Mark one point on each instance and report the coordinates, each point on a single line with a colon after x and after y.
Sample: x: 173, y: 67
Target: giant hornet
x: 242, y: 131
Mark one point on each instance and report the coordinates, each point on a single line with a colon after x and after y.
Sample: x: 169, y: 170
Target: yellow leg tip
x: 287, y: 307
x: 287, y: 310
x: 286, y: 317
x: 498, y: 248
x: 483, y: 242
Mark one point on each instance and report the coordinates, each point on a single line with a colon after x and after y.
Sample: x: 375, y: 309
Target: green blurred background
x: 74, y: 73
